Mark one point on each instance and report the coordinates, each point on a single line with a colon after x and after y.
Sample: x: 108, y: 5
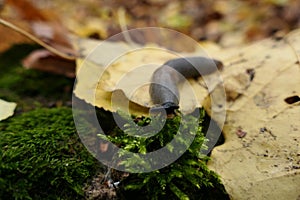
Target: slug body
x: 165, y: 80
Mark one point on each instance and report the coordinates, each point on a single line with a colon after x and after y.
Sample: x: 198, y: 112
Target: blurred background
x: 227, y: 22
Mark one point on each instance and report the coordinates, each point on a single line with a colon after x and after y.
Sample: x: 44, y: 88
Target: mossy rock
x: 42, y: 157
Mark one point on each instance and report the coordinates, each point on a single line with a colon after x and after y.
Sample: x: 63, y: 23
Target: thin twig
x: 123, y: 25
x: 37, y: 40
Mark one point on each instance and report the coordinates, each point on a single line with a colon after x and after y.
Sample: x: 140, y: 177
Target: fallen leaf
x: 127, y: 68
x: 92, y: 68
x: 47, y: 31
x: 265, y: 162
x: 27, y: 10
x: 10, y: 38
x: 44, y: 60
x: 6, y: 109
x: 45, y: 24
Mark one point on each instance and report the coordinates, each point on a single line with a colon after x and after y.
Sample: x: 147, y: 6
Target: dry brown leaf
x: 46, y: 61
x: 10, y: 38
x: 27, y: 10
x: 45, y: 24
x: 46, y: 30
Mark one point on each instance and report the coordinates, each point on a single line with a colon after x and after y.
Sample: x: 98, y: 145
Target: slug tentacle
x: 165, y: 80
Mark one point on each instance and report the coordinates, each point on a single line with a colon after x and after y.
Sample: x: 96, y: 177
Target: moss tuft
x: 42, y: 157
x: 186, y: 178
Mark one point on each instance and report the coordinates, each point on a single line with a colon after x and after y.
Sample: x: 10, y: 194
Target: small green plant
x: 42, y: 157
x: 186, y: 178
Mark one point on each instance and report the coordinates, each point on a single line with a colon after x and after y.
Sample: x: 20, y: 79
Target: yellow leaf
x: 116, y: 74
x: 6, y: 109
x: 264, y: 161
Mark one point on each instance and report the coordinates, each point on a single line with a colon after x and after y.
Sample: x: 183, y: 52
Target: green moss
x: 42, y: 157
x: 29, y: 88
x: 187, y: 178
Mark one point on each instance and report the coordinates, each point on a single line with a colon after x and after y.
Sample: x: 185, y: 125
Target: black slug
x: 164, y: 82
